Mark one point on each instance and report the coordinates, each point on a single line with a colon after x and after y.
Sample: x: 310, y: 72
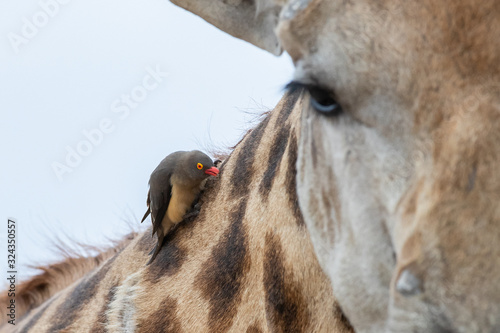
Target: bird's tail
x: 146, y: 215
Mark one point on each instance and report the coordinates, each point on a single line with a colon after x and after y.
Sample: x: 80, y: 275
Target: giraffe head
x: 398, y: 158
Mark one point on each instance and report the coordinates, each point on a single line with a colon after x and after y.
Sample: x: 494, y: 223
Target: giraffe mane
x: 57, y: 276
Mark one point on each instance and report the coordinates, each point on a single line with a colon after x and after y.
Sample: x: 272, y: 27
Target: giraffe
x: 396, y: 178
x: 244, y: 264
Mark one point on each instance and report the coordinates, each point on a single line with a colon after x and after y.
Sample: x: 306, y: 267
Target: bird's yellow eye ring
x: 199, y: 166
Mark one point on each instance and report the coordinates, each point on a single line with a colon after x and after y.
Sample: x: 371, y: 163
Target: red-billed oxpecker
x: 173, y: 188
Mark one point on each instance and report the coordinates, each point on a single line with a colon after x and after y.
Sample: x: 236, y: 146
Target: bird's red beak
x: 213, y: 171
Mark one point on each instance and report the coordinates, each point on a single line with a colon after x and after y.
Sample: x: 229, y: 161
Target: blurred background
x: 93, y: 95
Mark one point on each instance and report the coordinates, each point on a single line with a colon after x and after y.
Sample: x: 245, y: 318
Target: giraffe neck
x: 244, y: 264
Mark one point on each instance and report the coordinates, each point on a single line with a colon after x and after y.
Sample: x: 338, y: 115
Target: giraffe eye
x: 322, y: 100
x: 199, y: 166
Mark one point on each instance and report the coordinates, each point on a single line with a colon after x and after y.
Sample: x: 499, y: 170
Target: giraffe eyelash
x: 322, y: 100
x: 294, y: 86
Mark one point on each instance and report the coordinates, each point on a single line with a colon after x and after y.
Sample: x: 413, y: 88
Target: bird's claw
x: 193, y: 213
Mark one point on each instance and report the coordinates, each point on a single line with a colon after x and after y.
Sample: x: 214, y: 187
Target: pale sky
x: 122, y: 84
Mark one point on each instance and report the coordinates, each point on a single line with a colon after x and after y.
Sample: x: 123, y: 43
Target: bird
x: 173, y: 187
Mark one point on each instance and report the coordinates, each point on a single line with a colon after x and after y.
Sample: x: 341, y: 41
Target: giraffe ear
x: 251, y: 20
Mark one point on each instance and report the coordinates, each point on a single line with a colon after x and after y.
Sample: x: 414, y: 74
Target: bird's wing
x: 160, y: 193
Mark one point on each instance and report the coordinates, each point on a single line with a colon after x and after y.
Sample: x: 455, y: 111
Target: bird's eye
x: 199, y: 166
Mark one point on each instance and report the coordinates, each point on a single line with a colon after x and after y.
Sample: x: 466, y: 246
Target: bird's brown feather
x: 160, y: 193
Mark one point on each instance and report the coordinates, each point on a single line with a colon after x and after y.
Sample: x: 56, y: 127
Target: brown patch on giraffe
x: 163, y: 320
x: 330, y: 202
x: 253, y: 329
x: 146, y: 242
x: 82, y: 293
x: 172, y: 255
x: 289, y: 103
x: 221, y: 277
x: 276, y: 153
x: 100, y: 324
x: 36, y: 316
x: 169, y: 260
x: 314, y: 153
x: 286, y: 307
x: 291, y: 180
x: 243, y: 168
